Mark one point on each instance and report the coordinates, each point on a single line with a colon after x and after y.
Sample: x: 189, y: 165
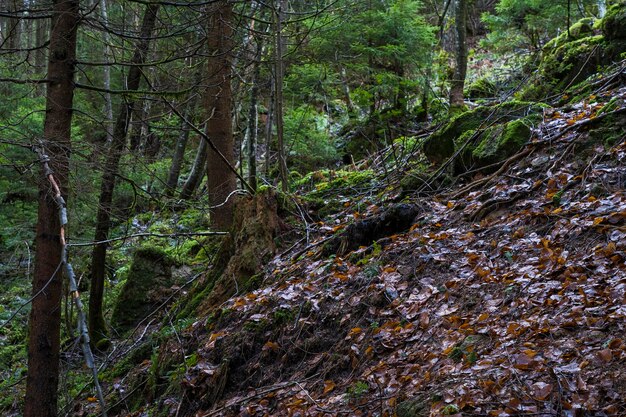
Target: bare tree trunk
x: 253, y: 117
x: 183, y: 137
x: 346, y: 92
x: 280, y: 68
x: 269, y: 133
x: 221, y: 181
x: 45, y: 317
x: 108, y: 101
x: 14, y: 32
x: 97, y: 326
x: 197, y: 172
x: 458, y: 81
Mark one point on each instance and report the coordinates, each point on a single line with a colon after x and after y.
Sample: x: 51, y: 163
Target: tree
x: 279, y: 76
x: 97, y: 326
x: 458, y: 79
x: 221, y: 178
x: 45, y: 318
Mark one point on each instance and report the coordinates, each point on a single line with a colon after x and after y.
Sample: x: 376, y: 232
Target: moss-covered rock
x: 481, y: 88
x: 581, y: 29
x: 149, y: 283
x: 614, y: 22
x: 570, y: 58
x: 500, y: 142
x: 571, y: 62
x: 442, y: 144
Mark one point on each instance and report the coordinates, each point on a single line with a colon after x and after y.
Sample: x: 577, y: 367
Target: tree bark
x: 45, y: 317
x: 108, y: 101
x: 183, y: 137
x: 14, y: 32
x: 221, y: 181
x: 97, y: 326
x: 458, y: 80
x: 197, y: 172
x: 279, y: 78
x: 253, y: 116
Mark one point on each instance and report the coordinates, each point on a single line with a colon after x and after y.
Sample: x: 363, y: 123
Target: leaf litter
x: 518, y: 311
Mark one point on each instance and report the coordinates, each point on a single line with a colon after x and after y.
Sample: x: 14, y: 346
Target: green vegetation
x: 366, y: 125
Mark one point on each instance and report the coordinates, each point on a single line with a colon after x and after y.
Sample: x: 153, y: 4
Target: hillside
x: 495, y: 294
x: 391, y: 208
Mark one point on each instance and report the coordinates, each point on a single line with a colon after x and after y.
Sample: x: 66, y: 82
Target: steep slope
x: 502, y: 295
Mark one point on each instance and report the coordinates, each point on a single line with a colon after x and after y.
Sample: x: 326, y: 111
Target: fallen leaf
x: 328, y: 386
x: 605, y: 355
x: 541, y: 390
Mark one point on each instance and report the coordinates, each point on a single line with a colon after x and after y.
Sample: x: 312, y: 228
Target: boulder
x: 494, y: 137
x: 148, y: 285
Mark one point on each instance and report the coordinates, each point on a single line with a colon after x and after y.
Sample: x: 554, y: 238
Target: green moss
x: 414, y: 179
x: 253, y: 282
x: 129, y: 361
x: 283, y: 316
x: 499, y: 142
x: 610, y: 131
x: 572, y: 61
x: 614, y: 23
x: 481, y: 88
x: 578, y: 30
x: 442, y: 144
x: 150, y: 271
x: 256, y: 326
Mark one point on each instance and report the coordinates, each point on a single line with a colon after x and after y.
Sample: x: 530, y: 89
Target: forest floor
x: 504, y: 295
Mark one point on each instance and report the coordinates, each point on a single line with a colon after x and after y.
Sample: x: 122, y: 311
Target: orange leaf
x: 273, y: 346
x: 92, y: 399
x: 328, y: 386
x: 355, y: 331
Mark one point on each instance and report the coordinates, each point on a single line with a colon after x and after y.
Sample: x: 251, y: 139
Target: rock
x: 499, y: 142
x: 148, y: 285
x: 614, y: 23
x: 499, y: 139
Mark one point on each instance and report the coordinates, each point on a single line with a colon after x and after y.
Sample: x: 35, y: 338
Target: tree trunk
x: 197, y: 172
x: 45, y: 317
x: 183, y: 137
x: 458, y: 81
x: 253, y: 116
x: 221, y: 181
x: 108, y: 101
x: 280, y: 68
x: 269, y: 132
x: 41, y: 29
x: 14, y: 32
x: 97, y: 327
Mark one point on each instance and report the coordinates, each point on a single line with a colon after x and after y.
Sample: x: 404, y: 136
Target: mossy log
x: 397, y: 219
